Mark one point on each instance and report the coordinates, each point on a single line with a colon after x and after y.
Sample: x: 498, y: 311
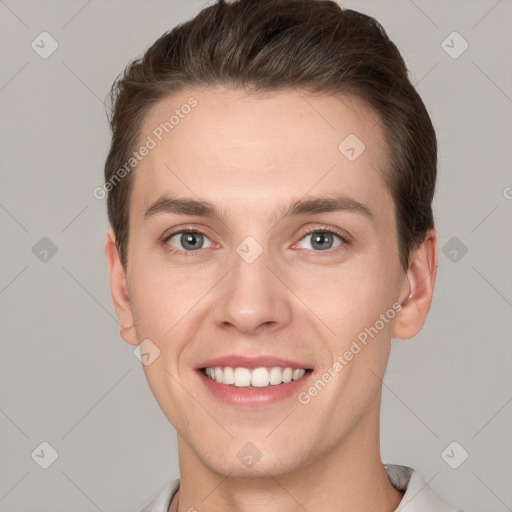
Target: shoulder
x: 418, y: 496
x: 163, y: 499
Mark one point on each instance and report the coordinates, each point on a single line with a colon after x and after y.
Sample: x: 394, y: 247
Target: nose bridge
x: 251, y: 296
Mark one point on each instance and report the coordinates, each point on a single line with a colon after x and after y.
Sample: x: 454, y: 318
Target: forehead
x: 224, y: 144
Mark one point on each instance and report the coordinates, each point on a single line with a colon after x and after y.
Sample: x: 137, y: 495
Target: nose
x: 252, y: 300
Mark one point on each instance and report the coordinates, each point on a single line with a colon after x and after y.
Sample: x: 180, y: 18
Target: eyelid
x: 182, y: 229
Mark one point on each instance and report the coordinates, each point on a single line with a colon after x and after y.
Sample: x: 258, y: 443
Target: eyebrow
x: 308, y: 205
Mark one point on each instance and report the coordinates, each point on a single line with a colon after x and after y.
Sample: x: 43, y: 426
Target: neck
x: 349, y: 476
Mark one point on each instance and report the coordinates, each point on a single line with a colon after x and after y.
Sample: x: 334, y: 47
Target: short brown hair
x: 270, y: 45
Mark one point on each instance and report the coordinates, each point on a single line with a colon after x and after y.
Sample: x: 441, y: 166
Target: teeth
x: 228, y: 376
x: 256, y: 378
x: 260, y: 378
x: 275, y: 376
x: 242, y: 377
x: 296, y: 374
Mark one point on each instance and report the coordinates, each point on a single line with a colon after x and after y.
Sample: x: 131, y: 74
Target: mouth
x: 250, y: 382
x: 256, y: 387
x: 251, y: 378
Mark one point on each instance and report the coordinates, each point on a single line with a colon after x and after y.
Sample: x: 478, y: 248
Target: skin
x: 293, y: 301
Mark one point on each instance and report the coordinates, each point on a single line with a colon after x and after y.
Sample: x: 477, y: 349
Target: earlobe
x: 420, y: 281
x: 119, y: 290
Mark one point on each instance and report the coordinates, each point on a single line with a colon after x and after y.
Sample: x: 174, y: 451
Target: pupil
x: 320, y: 241
x: 191, y: 240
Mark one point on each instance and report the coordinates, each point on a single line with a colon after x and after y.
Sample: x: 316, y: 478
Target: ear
x: 119, y: 290
x: 418, y: 288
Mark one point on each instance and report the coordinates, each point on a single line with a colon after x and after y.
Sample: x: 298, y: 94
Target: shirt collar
x: 418, y: 496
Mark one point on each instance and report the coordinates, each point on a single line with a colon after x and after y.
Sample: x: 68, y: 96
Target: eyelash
x: 321, y: 229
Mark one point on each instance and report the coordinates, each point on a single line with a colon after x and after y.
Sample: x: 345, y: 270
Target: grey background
x: 67, y: 378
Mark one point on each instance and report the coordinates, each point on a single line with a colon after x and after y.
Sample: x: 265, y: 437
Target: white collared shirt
x: 418, y: 496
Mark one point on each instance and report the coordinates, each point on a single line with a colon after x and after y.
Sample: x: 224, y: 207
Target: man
x: 270, y: 182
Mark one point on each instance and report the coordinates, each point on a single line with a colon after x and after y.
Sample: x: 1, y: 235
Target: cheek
x: 162, y: 379
x: 347, y: 299
x: 151, y: 306
x: 161, y: 296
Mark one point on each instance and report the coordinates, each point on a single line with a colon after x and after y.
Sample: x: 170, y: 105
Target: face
x: 259, y: 243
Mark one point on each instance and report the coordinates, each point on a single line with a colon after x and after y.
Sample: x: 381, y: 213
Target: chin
x: 262, y: 469
x: 248, y: 462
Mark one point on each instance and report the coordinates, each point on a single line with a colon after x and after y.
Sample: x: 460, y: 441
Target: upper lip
x: 251, y: 362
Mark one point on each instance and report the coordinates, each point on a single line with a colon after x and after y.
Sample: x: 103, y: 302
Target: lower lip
x: 254, y: 397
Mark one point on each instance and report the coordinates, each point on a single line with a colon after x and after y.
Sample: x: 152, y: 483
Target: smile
x: 253, y: 378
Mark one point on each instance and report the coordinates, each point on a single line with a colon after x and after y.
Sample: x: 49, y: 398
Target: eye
x: 322, y: 240
x: 188, y: 240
